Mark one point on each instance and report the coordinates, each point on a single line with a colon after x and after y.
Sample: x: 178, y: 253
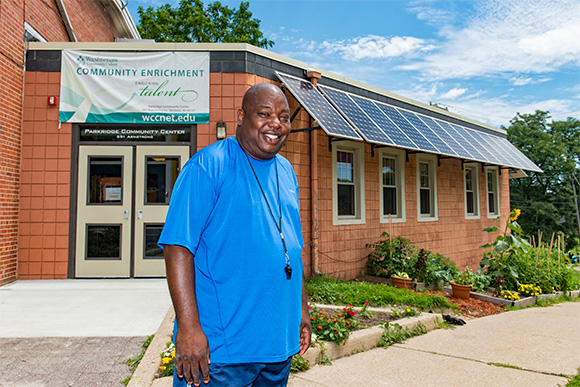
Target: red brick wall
x: 342, y: 248
x: 11, y: 70
x: 91, y: 23
x: 44, y: 215
x: 89, y: 20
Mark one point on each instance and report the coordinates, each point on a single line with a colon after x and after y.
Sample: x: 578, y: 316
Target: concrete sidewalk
x: 542, y: 342
x: 76, y: 332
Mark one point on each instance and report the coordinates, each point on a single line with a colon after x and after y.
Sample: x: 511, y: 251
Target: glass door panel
x: 156, y: 171
x: 103, y: 233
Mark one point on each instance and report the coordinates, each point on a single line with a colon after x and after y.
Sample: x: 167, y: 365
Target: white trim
x: 431, y: 160
x: 474, y: 167
x: 32, y: 31
x: 357, y: 149
x: 399, y: 156
x: 495, y: 174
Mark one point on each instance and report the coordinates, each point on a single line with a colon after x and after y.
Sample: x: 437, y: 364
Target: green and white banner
x: 150, y: 88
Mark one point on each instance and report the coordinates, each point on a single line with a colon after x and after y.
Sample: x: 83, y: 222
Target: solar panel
x: 357, y: 117
x: 524, y: 160
x: 459, y: 134
x: 428, y: 133
x: 421, y: 142
x: 397, y: 135
x: 446, y: 137
x: 318, y: 107
x: 487, y: 149
x: 508, y: 157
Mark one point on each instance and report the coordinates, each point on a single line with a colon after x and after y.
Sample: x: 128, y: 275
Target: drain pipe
x: 314, y: 76
x: 66, y: 20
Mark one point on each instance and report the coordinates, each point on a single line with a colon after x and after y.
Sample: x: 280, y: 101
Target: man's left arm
x: 305, y: 327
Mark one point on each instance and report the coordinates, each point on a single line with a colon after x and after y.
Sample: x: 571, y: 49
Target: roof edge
x: 152, y: 46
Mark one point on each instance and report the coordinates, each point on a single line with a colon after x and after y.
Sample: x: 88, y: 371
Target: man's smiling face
x: 263, y: 121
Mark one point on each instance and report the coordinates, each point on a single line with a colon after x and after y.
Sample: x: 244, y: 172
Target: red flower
x: 319, y: 328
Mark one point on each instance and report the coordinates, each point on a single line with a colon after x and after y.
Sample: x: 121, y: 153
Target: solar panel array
x: 318, y: 107
x: 384, y: 124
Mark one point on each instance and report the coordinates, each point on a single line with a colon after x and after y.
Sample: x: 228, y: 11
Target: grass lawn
x: 325, y: 290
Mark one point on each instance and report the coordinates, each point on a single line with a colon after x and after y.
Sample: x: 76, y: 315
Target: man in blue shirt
x: 232, y: 243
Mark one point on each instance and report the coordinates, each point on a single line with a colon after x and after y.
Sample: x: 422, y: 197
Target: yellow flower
x: 515, y: 214
x: 166, y: 360
x: 162, y: 368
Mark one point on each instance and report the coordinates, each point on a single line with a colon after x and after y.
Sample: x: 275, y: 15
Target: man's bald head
x: 263, y: 121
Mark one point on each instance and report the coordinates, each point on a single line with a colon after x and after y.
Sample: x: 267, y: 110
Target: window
x: 427, y: 188
x: 348, y: 183
x: 392, y: 183
x: 492, y: 192
x: 471, y: 180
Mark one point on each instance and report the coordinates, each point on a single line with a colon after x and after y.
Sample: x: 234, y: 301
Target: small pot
x: 401, y: 283
x: 460, y: 291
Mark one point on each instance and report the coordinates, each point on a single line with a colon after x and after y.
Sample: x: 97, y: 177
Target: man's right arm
x: 191, y: 345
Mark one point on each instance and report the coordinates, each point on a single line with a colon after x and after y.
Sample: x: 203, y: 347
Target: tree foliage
x: 190, y: 21
x: 546, y: 199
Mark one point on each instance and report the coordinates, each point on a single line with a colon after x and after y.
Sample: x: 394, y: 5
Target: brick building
x: 84, y: 189
x: 22, y: 21
x: 439, y: 184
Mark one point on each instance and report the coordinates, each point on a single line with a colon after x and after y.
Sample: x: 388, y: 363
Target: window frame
x: 357, y: 149
x: 494, y: 171
x: 474, y: 168
x: 399, y: 156
x: 431, y: 160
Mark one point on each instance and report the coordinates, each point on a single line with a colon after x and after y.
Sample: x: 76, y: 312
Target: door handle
x: 140, y: 214
x: 126, y: 214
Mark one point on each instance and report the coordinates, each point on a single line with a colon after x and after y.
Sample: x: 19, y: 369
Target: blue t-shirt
x: 248, y: 310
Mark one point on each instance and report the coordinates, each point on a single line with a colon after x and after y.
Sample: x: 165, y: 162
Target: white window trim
x: 357, y: 148
x: 494, y: 215
x: 476, y: 202
x: 32, y: 31
x: 399, y: 156
x: 432, y: 161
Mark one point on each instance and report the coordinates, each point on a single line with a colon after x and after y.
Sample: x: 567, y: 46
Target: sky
x: 487, y: 60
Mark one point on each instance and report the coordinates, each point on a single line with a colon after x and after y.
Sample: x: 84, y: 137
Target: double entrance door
x: 123, y: 197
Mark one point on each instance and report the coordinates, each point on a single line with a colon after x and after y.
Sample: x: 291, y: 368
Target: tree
x: 546, y: 199
x: 191, y: 22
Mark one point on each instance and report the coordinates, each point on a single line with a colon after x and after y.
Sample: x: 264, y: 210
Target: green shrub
x: 389, y: 255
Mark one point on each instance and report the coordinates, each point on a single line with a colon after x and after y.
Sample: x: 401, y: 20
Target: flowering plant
x: 509, y: 295
x: 365, y: 312
x: 529, y: 290
x: 333, y: 327
x: 348, y: 311
x: 167, y: 360
x: 406, y: 312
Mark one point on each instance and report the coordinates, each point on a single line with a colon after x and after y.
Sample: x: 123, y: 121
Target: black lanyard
x: 287, y: 268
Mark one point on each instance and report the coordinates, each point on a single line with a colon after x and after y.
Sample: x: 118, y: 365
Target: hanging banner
x: 148, y: 88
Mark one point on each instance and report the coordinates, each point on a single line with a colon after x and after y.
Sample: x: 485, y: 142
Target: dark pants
x: 244, y: 375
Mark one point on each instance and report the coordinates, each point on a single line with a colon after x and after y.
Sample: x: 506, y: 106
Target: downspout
x: 314, y: 76
x: 66, y: 20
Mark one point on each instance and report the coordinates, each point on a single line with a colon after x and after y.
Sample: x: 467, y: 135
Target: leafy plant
x: 395, y: 333
x: 332, y: 327
x: 133, y: 363
x: 389, y: 255
x: 466, y: 277
x: 421, y: 264
x: 167, y: 360
x: 518, y: 262
x: 406, y: 312
x: 299, y: 364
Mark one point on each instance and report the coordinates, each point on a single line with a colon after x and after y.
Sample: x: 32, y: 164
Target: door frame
x: 75, y: 143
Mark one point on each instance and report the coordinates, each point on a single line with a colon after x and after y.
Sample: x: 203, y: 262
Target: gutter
x: 66, y: 20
